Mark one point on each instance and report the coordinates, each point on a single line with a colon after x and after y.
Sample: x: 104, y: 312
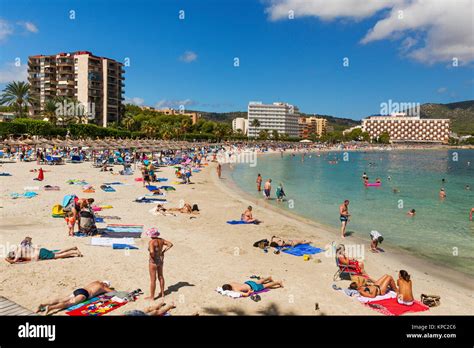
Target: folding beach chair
x: 343, y: 272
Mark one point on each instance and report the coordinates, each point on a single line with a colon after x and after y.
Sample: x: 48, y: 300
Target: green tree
x: 263, y: 134
x: 255, y: 123
x: 50, y: 111
x: 384, y: 138
x: 275, y: 135
x: 129, y: 122
x: 149, y: 129
x: 17, y: 94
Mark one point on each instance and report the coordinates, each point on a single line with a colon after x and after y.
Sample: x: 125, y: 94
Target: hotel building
x: 402, y: 128
x: 312, y: 125
x: 194, y: 116
x: 240, y: 123
x: 94, y: 82
x: 281, y: 117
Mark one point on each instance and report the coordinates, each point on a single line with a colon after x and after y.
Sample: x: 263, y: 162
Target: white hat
x: 106, y: 282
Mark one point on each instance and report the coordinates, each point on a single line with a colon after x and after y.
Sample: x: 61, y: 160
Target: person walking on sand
x: 267, y: 188
x: 259, y: 182
x: 219, y: 170
x: 157, y: 248
x: 344, y: 216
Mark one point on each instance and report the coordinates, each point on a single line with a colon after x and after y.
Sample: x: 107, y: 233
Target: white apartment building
x: 281, y: 117
x: 93, y: 82
x: 240, y: 123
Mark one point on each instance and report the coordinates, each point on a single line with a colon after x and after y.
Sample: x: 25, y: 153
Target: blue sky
x: 191, y: 61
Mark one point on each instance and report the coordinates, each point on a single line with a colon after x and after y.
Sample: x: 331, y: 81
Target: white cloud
x: 174, y: 103
x: 443, y: 29
x: 442, y: 90
x: 188, y: 57
x: 30, y: 27
x: 10, y: 72
x: 135, y: 101
x: 5, y: 29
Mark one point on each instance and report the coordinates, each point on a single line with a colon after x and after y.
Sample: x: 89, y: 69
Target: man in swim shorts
x: 267, y: 188
x: 22, y: 254
x: 79, y: 295
x: 249, y: 287
x: 344, y: 216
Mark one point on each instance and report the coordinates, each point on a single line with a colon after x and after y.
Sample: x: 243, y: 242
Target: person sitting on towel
x: 186, y: 209
x: 158, y: 310
x: 249, y: 287
x: 79, y: 295
x: 22, y: 254
x: 405, y: 292
x: 247, y: 215
x: 280, y: 242
x: 380, y: 287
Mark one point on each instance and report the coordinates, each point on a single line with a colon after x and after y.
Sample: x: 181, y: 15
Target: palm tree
x: 17, y: 94
x: 129, y: 122
x: 255, y: 123
x: 149, y: 129
x: 50, y: 111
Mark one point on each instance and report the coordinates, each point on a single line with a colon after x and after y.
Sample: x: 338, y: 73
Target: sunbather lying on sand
x: 186, y: 209
x: 250, y: 286
x: 159, y: 309
x: 79, y: 295
x: 22, y: 254
x: 379, y: 287
x: 280, y: 242
x: 160, y: 209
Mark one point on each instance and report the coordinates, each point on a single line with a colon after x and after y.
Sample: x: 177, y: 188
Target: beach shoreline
x: 207, y: 251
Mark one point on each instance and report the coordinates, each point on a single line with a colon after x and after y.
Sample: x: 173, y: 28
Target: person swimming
x: 412, y: 212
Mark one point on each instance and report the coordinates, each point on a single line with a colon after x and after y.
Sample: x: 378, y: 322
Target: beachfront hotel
x: 94, y: 82
x: 403, y: 128
x: 280, y: 117
x: 194, y: 116
x: 240, y: 123
x: 312, y: 125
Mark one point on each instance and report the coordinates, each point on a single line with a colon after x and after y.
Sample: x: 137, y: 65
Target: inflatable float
x: 376, y: 184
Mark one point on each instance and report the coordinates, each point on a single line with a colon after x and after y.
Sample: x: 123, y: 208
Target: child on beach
x: 70, y: 221
x: 376, y: 238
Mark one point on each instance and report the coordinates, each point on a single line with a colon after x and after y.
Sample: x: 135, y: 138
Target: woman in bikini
x: 356, y: 265
x: 405, y: 292
x: 377, y: 288
x: 157, y: 248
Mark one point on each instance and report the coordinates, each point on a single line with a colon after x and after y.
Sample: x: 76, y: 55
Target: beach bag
x: 57, y: 211
x: 431, y: 300
x: 195, y: 207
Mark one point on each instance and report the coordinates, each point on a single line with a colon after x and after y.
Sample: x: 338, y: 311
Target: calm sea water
x: 317, y: 188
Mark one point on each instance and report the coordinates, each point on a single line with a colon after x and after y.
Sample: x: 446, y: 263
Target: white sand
x: 207, y: 252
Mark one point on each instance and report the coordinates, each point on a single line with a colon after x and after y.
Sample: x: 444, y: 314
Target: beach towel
x: 167, y: 188
x: 5, y: 174
x: 161, y: 179
x: 106, y: 188
x: 150, y: 200
x: 80, y: 234
x: 124, y: 228
x: 151, y: 188
x: 138, y: 179
x: 99, y: 219
x: 392, y: 307
x: 31, y: 188
x: 106, y: 241
x: 239, y: 222
x: 76, y: 182
x: 51, y: 188
x: 114, y: 183
x: 96, y: 306
x: 110, y: 234
x: 27, y: 194
x: 123, y: 246
x: 301, y: 250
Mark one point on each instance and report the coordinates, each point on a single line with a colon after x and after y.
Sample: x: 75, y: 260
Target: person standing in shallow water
x: 259, y: 182
x: 219, y: 170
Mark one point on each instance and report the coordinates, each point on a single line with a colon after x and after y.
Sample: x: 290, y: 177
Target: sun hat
x: 106, y: 282
x: 153, y: 232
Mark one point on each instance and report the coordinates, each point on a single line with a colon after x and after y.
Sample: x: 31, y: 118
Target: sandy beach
x: 207, y: 251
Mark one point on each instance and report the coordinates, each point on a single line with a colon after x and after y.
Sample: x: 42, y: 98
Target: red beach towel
x: 392, y: 307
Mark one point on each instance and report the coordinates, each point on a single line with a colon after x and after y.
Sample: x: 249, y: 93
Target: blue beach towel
x: 302, y: 249
x: 5, y: 174
x: 161, y: 179
x: 239, y: 222
x: 151, y: 188
x: 107, y: 188
x: 123, y: 246
x: 134, y: 229
x: 147, y: 200
x: 114, y: 183
x: 99, y: 219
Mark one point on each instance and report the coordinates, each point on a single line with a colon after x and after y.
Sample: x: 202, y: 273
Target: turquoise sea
x: 440, y: 231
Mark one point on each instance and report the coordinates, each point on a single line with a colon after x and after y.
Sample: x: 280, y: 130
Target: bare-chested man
x: 267, y: 188
x: 79, y: 295
x: 344, y: 216
x: 22, y: 254
x: 280, y: 242
x: 157, y: 248
x: 246, y: 289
